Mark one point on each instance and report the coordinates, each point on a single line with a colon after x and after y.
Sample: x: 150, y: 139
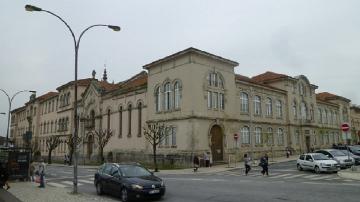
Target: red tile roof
x: 107, y: 86
x: 47, y: 96
x: 249, y: 80
x: 80, y: 82
x: 268, y: 76
x: 325, y: 96
x: 135, y: 81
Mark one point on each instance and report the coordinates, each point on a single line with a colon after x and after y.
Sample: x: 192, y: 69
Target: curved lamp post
x: 76, y: 46
x: 10, y: 99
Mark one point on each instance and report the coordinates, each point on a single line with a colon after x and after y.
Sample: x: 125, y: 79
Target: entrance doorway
x: 90, y: 145
x: 216, y: 143
x: 307, y: 143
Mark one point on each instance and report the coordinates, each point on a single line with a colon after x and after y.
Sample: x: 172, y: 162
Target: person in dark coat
x: 264, y: 163
x: 4, y: 177
x: 196, y: 162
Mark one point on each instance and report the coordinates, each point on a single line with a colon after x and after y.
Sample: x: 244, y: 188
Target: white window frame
x: 245, y: 135
x: 244, y: 102
x: 257, y: 105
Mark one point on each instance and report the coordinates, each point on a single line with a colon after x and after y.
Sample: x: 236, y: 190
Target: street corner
x: 350, y: 174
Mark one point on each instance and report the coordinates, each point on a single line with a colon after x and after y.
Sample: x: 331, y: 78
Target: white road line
x: 254, y: 175
x: 278, y: 176
x: 92, y: 179
x: 86, y: 181
x: 194, y: 179
x: 54, y: 184
x: 70, y: 183
x: 348, y: 180
x: 322, y: 177
x: 294, y: 176
x: 66, y: 172
x: 310, y: 176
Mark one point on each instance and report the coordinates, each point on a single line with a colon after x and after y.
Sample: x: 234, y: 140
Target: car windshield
x: 355, y: 148
x: 320, y: 157
x: 336, y: 153
x: 134, y: 171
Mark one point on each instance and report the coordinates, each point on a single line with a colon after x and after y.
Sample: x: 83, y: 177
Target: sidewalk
x: 29, y: 192
x: 350, y: 174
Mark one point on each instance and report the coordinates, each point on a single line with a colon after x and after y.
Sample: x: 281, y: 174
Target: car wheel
x: 299, y: 167
x: 99, y: 188
x: 317, y: 169
x: 124, y: 195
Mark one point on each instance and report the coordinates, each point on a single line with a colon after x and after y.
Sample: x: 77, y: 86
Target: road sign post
x: 345, y: 128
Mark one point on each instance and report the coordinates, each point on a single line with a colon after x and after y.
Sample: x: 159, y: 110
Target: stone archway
x: 217, y: 143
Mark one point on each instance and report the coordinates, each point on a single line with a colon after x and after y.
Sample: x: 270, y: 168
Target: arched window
x: 280, y: 136
x: 158, y: 99
x: 51, y: 127
x: 258, y: 135
x: 320, y: 115
x: 311, y: 112
x: 270, y: 136
x: 294, y: 109
x: 279, y: 108
x: 167, y: 96
x: 49, y: 107
x: 120, y: 121
x: 177, y: 95
x: 139, y: 118
x: 129, y: 120
x: 245, y: 135
x: 303, y: 110
x: 66, y: 123
x: 68, y: 98
x: 257, y: 105
x: 220, y: 82
x: 325, y: 117
x: 55, y: 126
x: 268, y: 107
x: 92, y: 119
x: 244, y: 102
x: 108, y: 119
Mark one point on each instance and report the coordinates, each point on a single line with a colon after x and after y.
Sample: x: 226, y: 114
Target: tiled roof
x: 135, y: 81
x: 80, y: 82
x: 188, y: 50
x: 47, y: 96
x: 268, y: 76
x: 107, y: 86
x: 249, y: 80
x: 325, y: 96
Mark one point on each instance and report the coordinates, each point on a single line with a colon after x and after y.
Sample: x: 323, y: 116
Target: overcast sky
x: 319, y: 39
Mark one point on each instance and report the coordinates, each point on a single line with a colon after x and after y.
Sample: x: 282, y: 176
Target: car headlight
x: 162, y: 183
x: 136, y: 186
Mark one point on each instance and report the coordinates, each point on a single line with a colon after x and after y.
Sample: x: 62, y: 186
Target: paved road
x: 285, y: 183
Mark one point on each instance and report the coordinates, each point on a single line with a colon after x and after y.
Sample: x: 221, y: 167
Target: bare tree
x: 102, y: 137
x: 51, y: 143
x: 155, y: 133
x: 71, y: 145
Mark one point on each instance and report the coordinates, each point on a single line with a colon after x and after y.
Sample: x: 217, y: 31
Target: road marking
x: 194, y: 179
x: 283, y: 175
x: 348, y: 180
x: 70, y: 183
x: 66, y: 172
x: 54, y: 184
x: 91, y: 179
x: 322, y: 177
x: 86, y: 181
x: 310, y: 176
x: 294, y: 176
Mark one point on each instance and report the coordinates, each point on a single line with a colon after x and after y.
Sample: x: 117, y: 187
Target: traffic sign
x: 345, y: 127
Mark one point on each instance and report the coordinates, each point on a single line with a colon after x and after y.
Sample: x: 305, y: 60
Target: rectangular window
x: 215, y: 100
x: 209, y: 99
x: 221, y: 101
x: 173, y: 136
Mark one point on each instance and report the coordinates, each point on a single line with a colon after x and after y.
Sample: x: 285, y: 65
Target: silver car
x: 338, y: 156
x: 317, y: 162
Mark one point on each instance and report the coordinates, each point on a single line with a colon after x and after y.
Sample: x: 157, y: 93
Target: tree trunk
x: 101, y: 155
x: 70, y: 156
x: 49, y: 156
x: 155, y: 163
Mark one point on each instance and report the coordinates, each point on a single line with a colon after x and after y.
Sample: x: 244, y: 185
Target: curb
x: 6, y: 196
x: 349, y: 175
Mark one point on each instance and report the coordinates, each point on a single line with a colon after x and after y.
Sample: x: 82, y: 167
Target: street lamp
x: 10, y: 99
x: 76, y: 46
x: 3, y: 113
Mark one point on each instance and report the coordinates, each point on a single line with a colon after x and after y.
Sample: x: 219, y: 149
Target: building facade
x: 205, y: 105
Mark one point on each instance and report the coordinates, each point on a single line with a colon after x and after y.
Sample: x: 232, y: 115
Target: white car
x: 317, y: 162
x: 337, y: 155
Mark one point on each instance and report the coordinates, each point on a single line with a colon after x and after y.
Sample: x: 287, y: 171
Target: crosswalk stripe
x: 86, y: 181
x: 320, y: 178
x: 348, y: 180
x: 277, y: 176
x: 54, y: 184
x: 70, y: 183
x: 309, y: 176
x: 294, y: 176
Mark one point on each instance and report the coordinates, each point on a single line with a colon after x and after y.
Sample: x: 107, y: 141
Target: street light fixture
x: 10, y: 99
x: 32, y: 8
x: 3, y: 113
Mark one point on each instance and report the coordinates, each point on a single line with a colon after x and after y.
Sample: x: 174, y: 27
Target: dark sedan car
x: 129, y: 181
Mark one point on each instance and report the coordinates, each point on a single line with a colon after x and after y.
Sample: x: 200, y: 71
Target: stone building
x: 205, y: 105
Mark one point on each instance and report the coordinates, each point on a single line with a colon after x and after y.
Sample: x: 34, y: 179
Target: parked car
x: 338, y: 156
x: 353, y: 149
x: 129, y: 181
x: 317, y: 162
x: 355, y: 157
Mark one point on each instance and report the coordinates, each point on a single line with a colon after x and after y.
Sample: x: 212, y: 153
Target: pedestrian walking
x: 42, y: 173
x: 211, y: 159
x: 207, y: 159
x: 4, y: 177
x: 247, y: 162
x: 264, y: 163
x: 196, y: 162
x: 32, y: 171
x: 287, y: 152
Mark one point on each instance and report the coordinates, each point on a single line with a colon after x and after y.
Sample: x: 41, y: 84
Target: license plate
x: 155, y: 191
